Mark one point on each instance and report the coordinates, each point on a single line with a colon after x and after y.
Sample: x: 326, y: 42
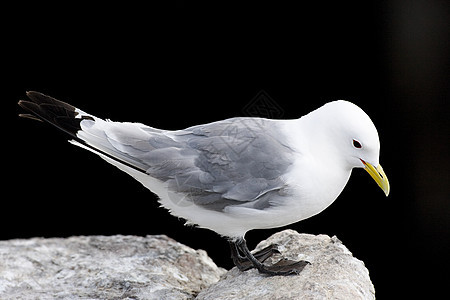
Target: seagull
x: 234, y: 175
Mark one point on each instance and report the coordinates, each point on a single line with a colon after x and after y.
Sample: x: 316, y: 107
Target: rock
x: 157, y: 267
x: 103, y: 267
x: 333, y: 273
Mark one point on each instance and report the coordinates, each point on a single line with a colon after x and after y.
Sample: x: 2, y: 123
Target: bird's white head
x: 355, y: 138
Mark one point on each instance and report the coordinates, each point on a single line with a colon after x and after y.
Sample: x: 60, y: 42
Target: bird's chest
x: 314, y: 186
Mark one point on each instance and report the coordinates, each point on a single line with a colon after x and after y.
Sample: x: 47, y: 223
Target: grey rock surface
x: 333, y: 273
x: 103, y: 267
x: 157, y: 267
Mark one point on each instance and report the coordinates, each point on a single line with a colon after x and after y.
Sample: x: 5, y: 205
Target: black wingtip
x: 48, y: 109
x: 40, y: 99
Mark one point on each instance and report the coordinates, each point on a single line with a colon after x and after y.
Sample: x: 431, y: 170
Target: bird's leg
x: 239, y: 261
x: 283, y: 267
x: 243, y: 263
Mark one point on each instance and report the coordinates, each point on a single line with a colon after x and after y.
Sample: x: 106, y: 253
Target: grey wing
x: 237, y: 161
x: 225, y: 163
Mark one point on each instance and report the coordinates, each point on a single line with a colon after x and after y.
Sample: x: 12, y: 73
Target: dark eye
x: 357, y: 144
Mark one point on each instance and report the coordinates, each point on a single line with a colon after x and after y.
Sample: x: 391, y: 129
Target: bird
x: 234, y: 175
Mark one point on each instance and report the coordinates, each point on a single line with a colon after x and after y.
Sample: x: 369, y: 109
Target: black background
x: 189, y: 63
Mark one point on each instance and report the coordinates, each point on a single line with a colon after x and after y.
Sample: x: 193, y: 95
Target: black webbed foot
x: 255, y: 260
x: 244, y: 264
x: 286, y: 267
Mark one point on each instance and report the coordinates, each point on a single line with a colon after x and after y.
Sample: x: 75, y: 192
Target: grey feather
x: 237, y: 161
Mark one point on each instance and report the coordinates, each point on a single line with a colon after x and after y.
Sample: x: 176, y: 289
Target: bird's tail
x: 87, y: 131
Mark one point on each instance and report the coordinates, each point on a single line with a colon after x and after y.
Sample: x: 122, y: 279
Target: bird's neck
x: 314, y: 135
x: 315, y: 151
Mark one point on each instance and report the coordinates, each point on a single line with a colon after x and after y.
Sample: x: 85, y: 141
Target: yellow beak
x: 378, y: 175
